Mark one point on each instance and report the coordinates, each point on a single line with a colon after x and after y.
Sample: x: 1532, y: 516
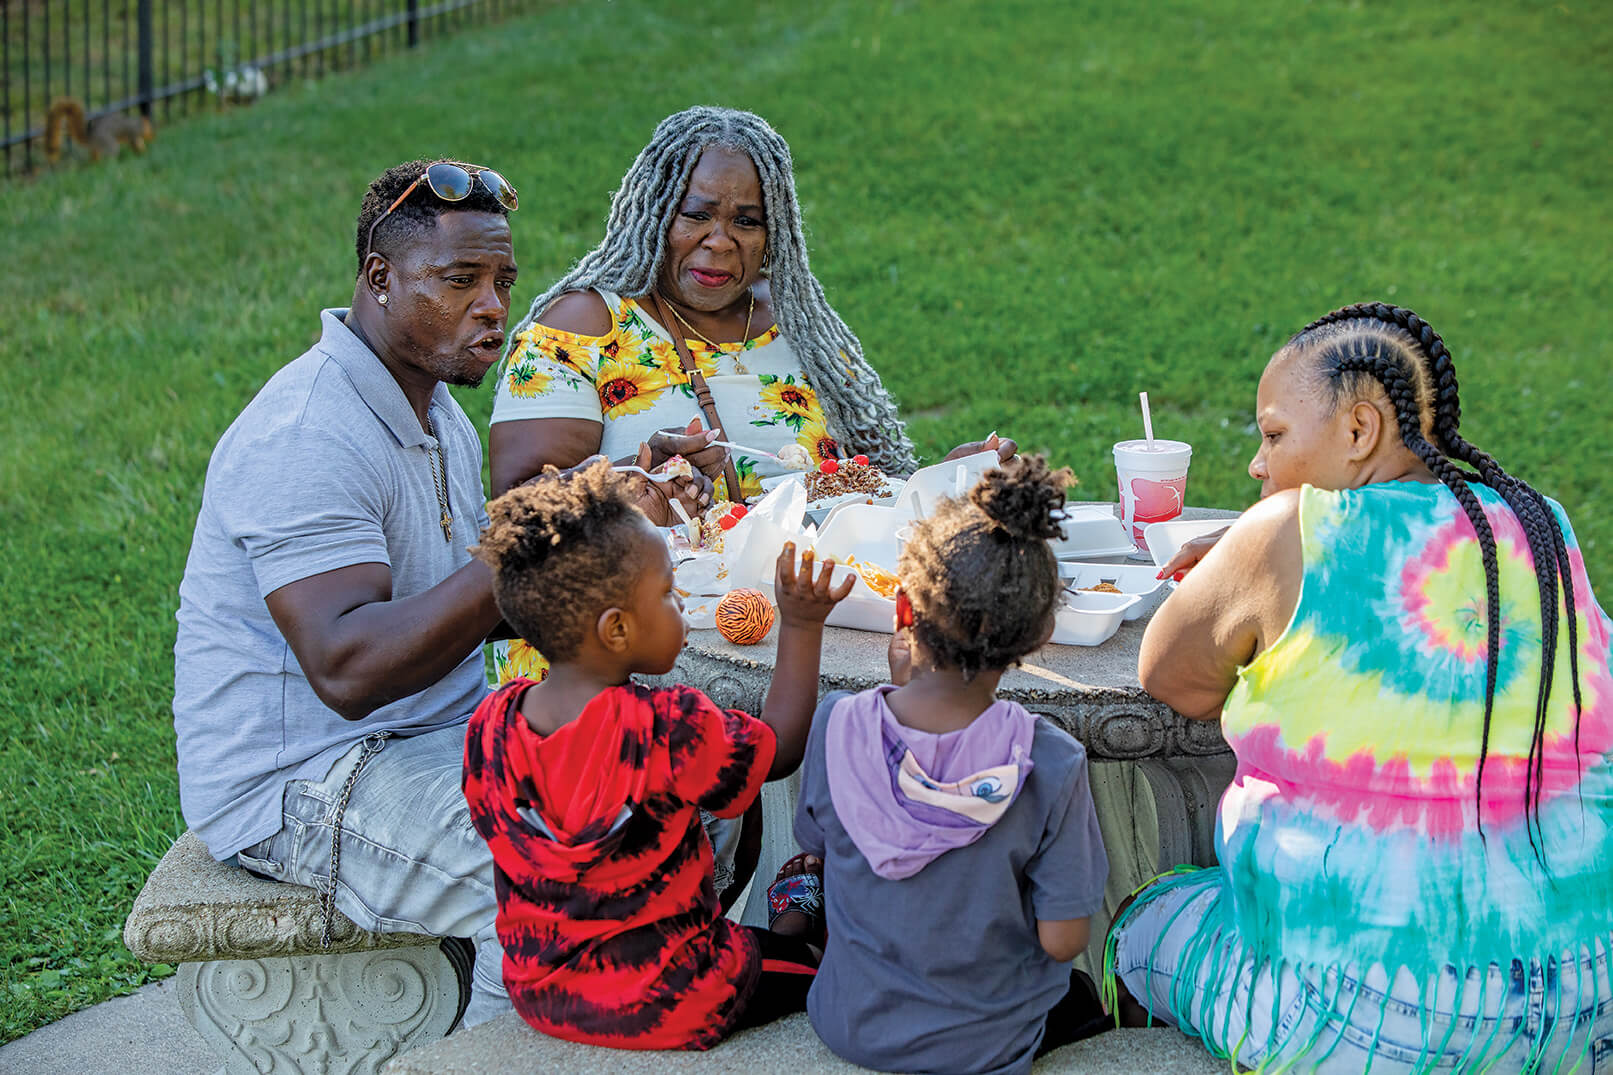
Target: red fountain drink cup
x: 1153, y: 482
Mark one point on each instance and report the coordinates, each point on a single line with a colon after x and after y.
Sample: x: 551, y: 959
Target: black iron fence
x: 159, y: 58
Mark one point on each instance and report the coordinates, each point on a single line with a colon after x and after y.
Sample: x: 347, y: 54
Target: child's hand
x: 805, y: 600
x: 900, y: 655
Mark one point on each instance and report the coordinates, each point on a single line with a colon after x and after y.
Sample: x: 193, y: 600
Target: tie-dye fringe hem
x: 1219, y: 951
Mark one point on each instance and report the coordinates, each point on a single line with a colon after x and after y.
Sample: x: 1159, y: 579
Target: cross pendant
x: 447, y: 522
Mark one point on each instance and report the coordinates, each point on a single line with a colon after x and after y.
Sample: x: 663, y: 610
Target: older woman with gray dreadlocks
x: 698, y: 305
x: 1408, y: 661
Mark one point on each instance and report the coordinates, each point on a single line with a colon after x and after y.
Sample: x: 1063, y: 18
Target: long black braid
x: 1541, y: 528
x: 1375, y: 354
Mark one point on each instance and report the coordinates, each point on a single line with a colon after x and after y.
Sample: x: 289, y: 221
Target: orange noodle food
x: 883, y: 582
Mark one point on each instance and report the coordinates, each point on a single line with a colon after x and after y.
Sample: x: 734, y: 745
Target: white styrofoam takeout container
x: 1138, y: 579
x: 954, y: 477
x: 1090, y: 619
x: 868, y: 532
x: 1091, y: 532
x: 1165, y: 539
x: 817, y: 510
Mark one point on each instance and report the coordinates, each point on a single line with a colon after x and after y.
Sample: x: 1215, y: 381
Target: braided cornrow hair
x: 1403, y: 353
x: 628, y: 262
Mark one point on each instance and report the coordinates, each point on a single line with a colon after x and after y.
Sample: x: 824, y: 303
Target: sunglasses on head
x: 451, y: 183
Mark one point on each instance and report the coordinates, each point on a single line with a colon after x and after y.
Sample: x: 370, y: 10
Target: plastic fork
x: 747, y: 449
x: 627, y: 468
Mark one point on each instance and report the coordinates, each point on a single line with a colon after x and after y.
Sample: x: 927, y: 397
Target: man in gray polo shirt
x: 330, y: 617
x: 328, y: 578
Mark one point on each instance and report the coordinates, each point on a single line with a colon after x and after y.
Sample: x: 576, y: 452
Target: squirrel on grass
x: 101, y: 135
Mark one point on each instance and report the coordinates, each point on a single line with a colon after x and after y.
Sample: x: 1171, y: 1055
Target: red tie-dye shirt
x: 606, y: 909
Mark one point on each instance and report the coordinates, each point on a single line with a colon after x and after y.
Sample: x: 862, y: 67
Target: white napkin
x: 752, y: 546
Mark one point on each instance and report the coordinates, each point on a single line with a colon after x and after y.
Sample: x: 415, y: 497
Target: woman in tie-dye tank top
x: 1403, y: 648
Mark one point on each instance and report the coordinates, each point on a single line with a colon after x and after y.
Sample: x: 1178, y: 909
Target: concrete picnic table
x: 1156, y: 775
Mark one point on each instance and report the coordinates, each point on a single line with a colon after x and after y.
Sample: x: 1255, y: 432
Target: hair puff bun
x: 1021, y: 495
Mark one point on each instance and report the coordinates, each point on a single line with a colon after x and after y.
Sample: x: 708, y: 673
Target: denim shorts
x: 410, y: 860
x: 1503, y: 1018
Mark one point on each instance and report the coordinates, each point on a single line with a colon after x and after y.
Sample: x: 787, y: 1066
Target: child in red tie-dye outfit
x: 588, y: 786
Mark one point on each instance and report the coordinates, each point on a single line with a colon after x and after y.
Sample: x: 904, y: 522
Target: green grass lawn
x: 1029, y: 212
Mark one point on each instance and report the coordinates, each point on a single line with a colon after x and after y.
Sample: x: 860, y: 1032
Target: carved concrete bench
x: 265, y: 995
x: 506, y: 1044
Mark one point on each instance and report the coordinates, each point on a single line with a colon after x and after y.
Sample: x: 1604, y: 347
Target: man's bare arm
x: 360, y: 649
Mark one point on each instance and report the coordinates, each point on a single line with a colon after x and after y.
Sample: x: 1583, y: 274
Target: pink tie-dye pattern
x: 1434, y: 560
x: 1415, y: 576
x: 1387, y: 795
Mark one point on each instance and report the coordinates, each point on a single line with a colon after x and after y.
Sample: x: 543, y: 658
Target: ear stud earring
x: 381, y: 299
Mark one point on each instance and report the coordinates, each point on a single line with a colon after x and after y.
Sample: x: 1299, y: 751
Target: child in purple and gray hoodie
x: 961, y: 855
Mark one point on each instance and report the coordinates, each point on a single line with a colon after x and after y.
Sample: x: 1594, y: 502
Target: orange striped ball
x: 744, y: 616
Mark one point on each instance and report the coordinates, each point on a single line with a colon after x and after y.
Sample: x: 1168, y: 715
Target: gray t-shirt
x: 943, y: 971
x: 326, y: 468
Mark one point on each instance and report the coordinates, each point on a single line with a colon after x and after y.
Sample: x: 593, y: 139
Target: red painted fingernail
x: 1178, y: 576
x: 1161, y: 574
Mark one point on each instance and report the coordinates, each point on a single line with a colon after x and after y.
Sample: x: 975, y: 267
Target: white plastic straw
x: 1148, y: 419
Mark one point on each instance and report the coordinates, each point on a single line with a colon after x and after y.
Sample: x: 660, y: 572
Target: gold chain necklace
x: 439, y: 481
x: 707, y: 340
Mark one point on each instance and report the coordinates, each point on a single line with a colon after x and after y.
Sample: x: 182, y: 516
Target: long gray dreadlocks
x: 628, y: 261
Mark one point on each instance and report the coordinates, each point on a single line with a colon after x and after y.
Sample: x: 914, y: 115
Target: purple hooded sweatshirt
x: 907, y: 796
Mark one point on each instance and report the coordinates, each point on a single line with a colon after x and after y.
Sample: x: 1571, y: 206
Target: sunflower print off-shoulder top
x: 632, y: 382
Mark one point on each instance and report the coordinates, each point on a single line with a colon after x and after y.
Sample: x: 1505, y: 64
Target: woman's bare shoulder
x: 1226, y: 610
x: 581, y: 313
x: 1270, y: 523
x: 1266, y: 545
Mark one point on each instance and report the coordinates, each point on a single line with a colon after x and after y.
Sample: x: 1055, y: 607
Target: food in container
x: 820, y: 495
x: 717, y: 521
x: 854, y: 535
x: 883, y: 582
x: 837, y: 477
x: 1138, y: 579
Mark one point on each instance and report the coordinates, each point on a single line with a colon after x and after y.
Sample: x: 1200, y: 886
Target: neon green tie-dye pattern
x: 1351, y: 834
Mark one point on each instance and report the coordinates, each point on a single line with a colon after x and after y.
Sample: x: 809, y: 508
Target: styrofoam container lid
x: 952, y: 477
x: 866, y: 531
x: 1090, y: 532
x: 1165, y: 539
